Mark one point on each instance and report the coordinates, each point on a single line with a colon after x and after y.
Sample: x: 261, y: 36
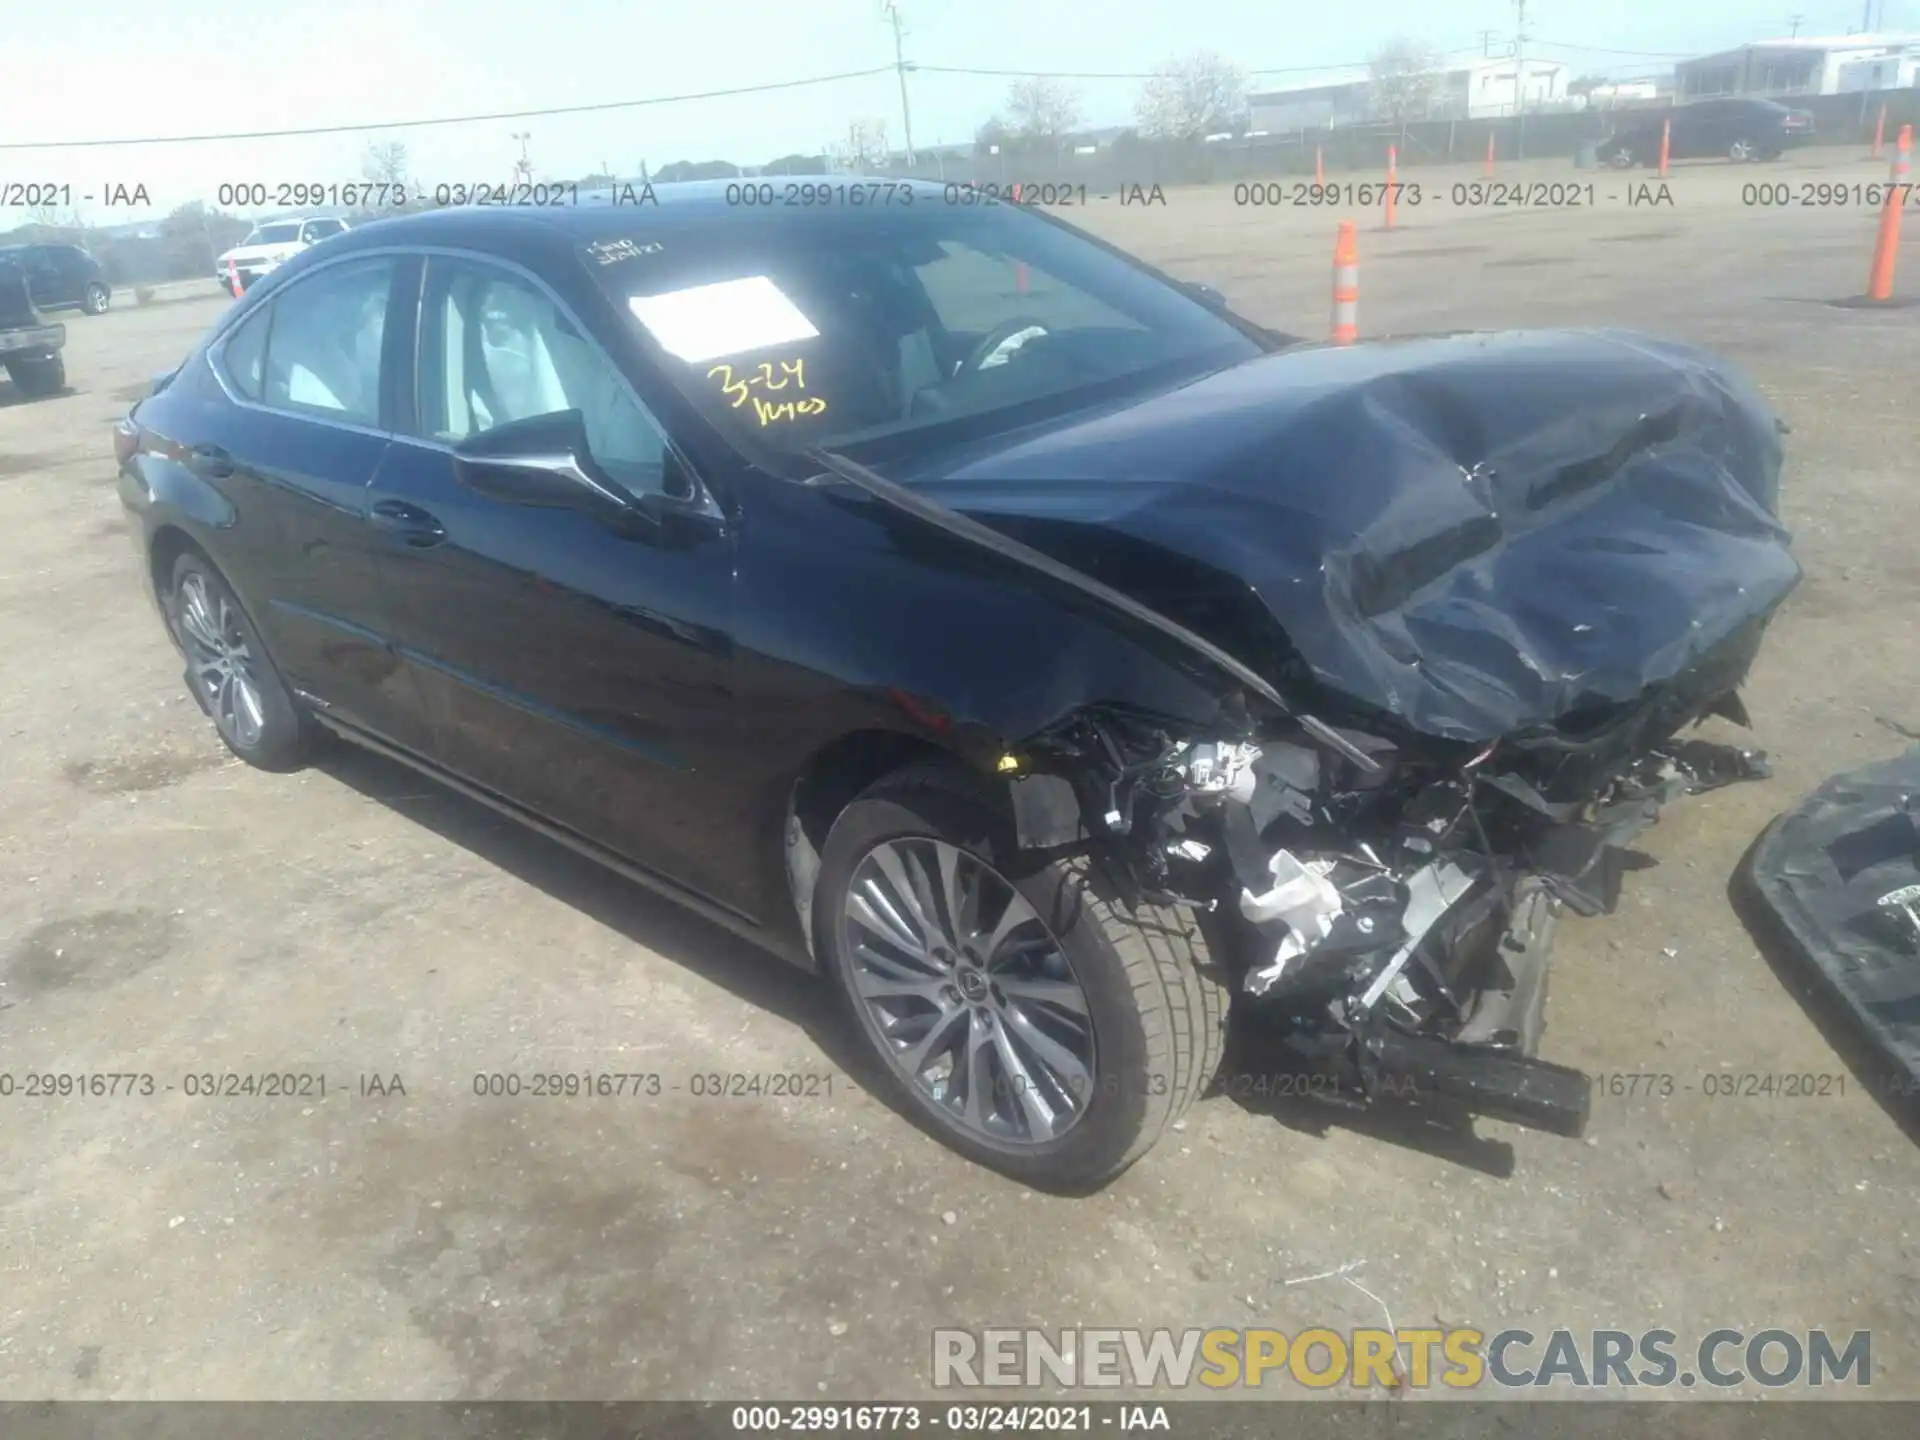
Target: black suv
x: 1740, y: 129
x: 62, y: 277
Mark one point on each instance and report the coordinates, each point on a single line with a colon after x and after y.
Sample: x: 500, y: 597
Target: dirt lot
x: 166, y: 910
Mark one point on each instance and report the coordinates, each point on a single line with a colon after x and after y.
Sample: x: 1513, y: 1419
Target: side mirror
x: 541, y: 461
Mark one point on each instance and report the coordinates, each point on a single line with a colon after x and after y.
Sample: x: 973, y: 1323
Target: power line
x: 1153, y: 74
x: 1608, y: 50
x: 446, y: 119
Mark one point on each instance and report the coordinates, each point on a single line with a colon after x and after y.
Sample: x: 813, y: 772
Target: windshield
x: 834, y: 329
x: 273, y: 234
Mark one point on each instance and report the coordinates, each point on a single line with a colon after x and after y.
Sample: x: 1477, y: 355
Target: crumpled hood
x: 1477, y: 533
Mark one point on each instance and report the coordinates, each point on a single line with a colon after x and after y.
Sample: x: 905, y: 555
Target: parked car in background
x: 957, y: 606
x: 1739, y: 129
x: 62, y: 277
x: 29, y: 346
x: 273, y: 244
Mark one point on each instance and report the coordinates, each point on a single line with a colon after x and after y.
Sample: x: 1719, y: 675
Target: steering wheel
x: 995, y: 338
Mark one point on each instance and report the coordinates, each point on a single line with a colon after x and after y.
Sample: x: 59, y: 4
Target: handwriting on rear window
x: 770, y: 376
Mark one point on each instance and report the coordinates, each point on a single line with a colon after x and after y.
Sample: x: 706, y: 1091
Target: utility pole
x: 1486, y: 44
x: 1794, y: 23
x: 1520, y: 80
x: 892, y: 8
x: 523, y: 167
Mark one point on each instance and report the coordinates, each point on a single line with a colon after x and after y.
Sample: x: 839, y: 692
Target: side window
x: 320, y: 229
x: 495, y: 349
x: 323, y: 355
x: 244, y: 352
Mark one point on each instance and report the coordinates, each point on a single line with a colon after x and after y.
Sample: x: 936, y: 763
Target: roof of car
x: 628, y: 207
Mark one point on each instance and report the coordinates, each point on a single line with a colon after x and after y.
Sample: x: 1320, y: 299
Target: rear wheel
x: 1742, y: 151
x: 1024, y: 1013
x: 1620, y: 157
x: 229, y: 671
x: 39, y: 377
x: 95, y: 301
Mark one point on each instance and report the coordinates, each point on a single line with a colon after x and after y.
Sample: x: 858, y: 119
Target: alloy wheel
x: 970, y: 995
x: 221, y: 661
x: 1740, y: 151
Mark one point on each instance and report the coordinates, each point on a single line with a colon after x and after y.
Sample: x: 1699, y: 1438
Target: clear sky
x: 111, y: 69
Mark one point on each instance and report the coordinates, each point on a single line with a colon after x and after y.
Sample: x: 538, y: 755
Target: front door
x: 580, y: 669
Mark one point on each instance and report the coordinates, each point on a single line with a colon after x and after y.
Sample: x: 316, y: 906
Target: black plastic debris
x: 1841, y: 876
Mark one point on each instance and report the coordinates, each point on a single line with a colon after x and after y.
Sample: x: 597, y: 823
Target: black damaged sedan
x: 955, y: 605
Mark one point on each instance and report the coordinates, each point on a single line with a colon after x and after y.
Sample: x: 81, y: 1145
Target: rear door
x: 580, y: 669
x: 310, y: 377
x: 47, y: 280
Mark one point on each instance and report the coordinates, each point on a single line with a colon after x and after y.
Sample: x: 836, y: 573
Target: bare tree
x: 1406, y: 77
x: 1197, y: 95
x: 385, y: 164
x: 863, y: 147
x: 1041, y: 110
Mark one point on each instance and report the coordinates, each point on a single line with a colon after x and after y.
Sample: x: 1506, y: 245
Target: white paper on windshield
x: 732, y: 317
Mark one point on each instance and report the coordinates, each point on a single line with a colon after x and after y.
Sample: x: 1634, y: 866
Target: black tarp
x: 1821, y: 871
x: 1477, y: 533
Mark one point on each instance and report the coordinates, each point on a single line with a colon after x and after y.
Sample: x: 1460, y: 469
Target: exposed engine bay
x: 1392, y: 902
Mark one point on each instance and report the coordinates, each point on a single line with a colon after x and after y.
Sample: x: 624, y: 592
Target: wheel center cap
x: 973, y: 985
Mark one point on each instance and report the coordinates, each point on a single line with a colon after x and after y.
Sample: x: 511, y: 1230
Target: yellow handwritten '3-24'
x: 738, y: 392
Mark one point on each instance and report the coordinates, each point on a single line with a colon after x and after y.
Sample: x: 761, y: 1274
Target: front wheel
x: 229, y: 671
x: 1620, y: 157
x: 95, y: 301
x: 1024, y: 1013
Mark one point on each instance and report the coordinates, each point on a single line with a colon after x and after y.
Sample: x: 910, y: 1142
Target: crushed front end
x: 1390, y: 902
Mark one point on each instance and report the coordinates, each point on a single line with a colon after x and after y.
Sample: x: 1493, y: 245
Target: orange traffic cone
x: 1346, y: 285
x: 1393, y: 181
x: 1879, y: 134
x: 233, y: 280
x: 1666, y: 144
x: 1489, y: 155
x: 1319, y: 169
x: 1887, y: 246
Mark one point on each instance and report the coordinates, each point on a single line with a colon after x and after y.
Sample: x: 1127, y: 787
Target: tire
x: 96, y: 299
x: 1621, y: 157
x: 1152, y: 1001
x: 37, y: 378
x: 1742, y: 152
x: 221, y: 644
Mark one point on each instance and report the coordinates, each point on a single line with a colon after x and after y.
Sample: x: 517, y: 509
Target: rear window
x: 274, y: 234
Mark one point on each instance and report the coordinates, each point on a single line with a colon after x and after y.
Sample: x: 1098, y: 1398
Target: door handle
x: 418, y: 528
x: 209, y: 460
